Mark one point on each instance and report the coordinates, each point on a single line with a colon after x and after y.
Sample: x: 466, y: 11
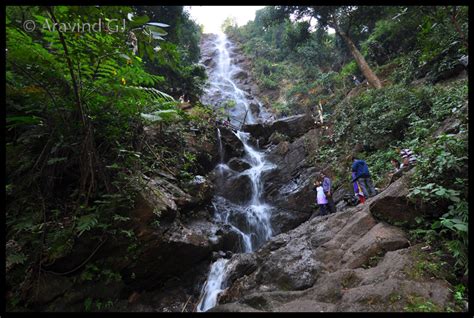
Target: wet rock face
x: 208, y: 51
x: 232, y: 145
x: 236, y: 188
x: 254, y: 108
x: 238, y: 164
x: 230, y: 239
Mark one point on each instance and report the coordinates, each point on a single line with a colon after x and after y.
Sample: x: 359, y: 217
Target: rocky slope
x: 348, y: 261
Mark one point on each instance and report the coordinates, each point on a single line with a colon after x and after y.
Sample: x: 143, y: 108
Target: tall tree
x: 340, y: 19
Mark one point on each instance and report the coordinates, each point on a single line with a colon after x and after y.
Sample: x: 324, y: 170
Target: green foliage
x: 86, y: 223
x: 377, y: 116
x: 281, y: 108
x: 92, y: 272
x: 379, y: 163
x: 75, y: 110
x: 229, y: 104
x: 228, y: 24
x: 349, y: 69
x: 440, y: 177
x: 438, y: 31
x: 189, y: 160
x: 460, y: 294
x: 420, y: 304
x: 90, y: 304
x: 15, y: 258
x: 449, y: 101
x: 406, y: 66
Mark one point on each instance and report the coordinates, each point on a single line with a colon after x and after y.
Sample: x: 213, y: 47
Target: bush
x: 441, y: 175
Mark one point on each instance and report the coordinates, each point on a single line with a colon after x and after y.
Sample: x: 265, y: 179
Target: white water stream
x: 257, y: 213
x: 222, y: 85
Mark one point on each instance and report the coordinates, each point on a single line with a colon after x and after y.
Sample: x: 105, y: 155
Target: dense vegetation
x: 77, y: 101
x: 412, y: 50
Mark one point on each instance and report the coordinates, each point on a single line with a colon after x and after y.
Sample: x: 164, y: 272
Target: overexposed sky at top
x: 212, y: 17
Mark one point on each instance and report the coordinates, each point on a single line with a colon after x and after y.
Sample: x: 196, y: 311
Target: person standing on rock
x: 327, y: 192
x: 321, y: 199
x: 362, y: 175
x: 409, y: 159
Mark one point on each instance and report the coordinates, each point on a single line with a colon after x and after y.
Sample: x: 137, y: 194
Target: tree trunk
x: 360, y: 60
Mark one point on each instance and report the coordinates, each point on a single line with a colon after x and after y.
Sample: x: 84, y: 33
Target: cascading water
x: 221, y: 84
x: 213, y: 285
x: 256, y: 212
x: 221, y: 150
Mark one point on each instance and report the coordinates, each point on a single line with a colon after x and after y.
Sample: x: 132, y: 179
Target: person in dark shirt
x: 362, y: 174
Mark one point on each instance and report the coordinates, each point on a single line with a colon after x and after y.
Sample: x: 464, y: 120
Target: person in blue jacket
x: 362, y: 174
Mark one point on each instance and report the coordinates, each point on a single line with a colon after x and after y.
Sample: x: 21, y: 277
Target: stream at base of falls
x: 257, y: 228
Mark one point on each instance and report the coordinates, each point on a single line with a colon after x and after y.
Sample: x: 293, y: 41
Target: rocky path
x: 347, y: 261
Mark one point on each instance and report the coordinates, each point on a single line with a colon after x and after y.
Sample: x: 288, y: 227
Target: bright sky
x: 212, y: 17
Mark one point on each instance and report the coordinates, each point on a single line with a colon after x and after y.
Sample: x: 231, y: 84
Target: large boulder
x: 293, y: 127
x: 283, y: 220
x: 160, y: 196
x: 241, y: 75
x: 393, y: 206
x: 238, y: 164
x: 168, y: 253
x: 231, y: 239
x: 202, y: 190
x: 237, y: 189
x: 232, y: 146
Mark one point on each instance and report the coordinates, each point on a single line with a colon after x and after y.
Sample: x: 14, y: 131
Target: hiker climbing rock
x: 362, y: 175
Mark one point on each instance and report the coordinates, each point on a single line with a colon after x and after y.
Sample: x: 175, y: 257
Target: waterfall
x: 221, y: 150
x: 256, y: 212
x: 213, y: 285
x: 221, y: 84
